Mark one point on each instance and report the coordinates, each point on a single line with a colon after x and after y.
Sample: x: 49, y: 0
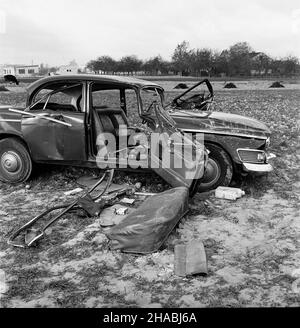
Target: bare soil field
x: 252, y: 244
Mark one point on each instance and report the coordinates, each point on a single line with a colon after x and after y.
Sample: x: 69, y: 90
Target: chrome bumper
x: 259, y: 168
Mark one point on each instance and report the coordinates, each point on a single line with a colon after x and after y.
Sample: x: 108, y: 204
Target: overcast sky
x: 57, y: 31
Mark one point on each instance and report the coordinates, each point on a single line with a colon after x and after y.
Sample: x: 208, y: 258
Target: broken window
x: 67, y: 97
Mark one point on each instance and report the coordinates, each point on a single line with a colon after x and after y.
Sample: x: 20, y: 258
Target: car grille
x: 251, y: 156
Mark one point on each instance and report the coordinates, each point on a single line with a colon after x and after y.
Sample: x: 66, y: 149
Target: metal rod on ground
x: 66, y: 207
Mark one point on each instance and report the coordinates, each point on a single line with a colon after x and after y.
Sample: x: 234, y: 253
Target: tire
x: 219, y: 170
x: 15, y: 161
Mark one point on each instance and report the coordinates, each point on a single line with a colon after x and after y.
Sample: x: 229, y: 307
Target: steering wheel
x: 196, y: 101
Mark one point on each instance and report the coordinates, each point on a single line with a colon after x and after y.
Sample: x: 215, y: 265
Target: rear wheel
x: 219, y: 169
x: 15, y: 161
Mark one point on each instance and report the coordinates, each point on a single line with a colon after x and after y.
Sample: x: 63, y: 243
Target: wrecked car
x: 65, y: 114
x: 82, y: 120
x: 236, y: 144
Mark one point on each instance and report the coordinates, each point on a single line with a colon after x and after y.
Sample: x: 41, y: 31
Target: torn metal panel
x: 146, y: 229
x: 31, y: 235
x: 170, y: 145
x: 190, y: 259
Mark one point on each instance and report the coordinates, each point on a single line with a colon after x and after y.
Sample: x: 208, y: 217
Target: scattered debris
x: 230, y: 85
x: 72, y: 192
x: 92, y: 208
x: 89, y: 181
x: 145, y: 193
x: 109, y: 217
x: 138, y: 185
x: 229, y: 193
x: 121, y: 211
x: 3, y: 285
x: 31, y: 236
x: 146, y: 228
x: 190, y: 259
x: 126, y: 200
x: 211, y: 205
x: 181, y: 86
x: 276, y: 85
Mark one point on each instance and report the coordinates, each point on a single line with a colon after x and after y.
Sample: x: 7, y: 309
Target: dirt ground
x: 252, y: 244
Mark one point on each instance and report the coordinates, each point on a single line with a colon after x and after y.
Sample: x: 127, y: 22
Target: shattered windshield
x: 152, y: 106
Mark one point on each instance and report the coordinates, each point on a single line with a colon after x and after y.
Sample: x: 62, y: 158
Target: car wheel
x: 219, y: 169
x: 15, y: 161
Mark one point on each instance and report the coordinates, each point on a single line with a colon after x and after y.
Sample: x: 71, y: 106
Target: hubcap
x: 11, y: 162
x: 212, y: 173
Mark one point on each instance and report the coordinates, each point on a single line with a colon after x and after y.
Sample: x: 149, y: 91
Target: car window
x: 148, y: 96
x: 114, y: 97
x: 106, y: 98
x: 132, y: 107
x: 67, y: 97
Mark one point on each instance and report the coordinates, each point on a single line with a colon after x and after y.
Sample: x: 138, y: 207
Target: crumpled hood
x: 220, y: 123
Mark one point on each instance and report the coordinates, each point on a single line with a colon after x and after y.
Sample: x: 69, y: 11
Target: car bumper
x: 259, y: 168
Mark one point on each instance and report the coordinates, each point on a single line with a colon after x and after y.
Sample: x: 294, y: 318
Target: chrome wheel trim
x: 212, y: 173
x: 11, y: 162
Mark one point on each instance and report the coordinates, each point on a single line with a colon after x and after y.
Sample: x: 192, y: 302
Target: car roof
x: 114, y: 79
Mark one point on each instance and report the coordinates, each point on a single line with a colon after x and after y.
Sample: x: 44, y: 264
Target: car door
x: 176, y: 158
x: 174, y: 155
x: 54, y: 125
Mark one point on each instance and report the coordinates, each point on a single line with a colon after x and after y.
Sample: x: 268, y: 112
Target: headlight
x: 252, y: 156
x: 268, y: 141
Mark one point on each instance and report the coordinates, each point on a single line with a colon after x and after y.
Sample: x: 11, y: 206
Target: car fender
x: 15, y: 135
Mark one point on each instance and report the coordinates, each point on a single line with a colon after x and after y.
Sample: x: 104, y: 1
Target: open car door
x: 174, y: 155
x: 194, y: 100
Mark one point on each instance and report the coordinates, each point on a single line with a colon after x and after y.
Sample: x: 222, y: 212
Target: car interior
x: 108, y: 112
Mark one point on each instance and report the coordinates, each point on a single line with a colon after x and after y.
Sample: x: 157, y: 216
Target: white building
x: 72, y: 68
x: 19, y: 70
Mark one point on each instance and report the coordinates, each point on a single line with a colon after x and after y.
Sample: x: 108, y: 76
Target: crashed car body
x: 66, y: 121
x: 69, y: 119
x: 236, y: 144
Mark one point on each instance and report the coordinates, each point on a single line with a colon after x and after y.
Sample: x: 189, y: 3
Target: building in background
x: 19, y: 70
x: 72, y: 68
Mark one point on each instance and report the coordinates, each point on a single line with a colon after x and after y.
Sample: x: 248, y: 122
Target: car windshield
x: 152, y: 106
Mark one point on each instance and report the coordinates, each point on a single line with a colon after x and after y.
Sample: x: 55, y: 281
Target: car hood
x: 220, y: 123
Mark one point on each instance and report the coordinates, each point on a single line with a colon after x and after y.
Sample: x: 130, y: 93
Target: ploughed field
x: 252, y: 244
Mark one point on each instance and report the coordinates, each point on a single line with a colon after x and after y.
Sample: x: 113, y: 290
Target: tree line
x: 239, y: 60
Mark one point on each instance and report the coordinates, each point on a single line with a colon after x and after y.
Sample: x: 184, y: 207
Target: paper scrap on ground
x: 72, y: 192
